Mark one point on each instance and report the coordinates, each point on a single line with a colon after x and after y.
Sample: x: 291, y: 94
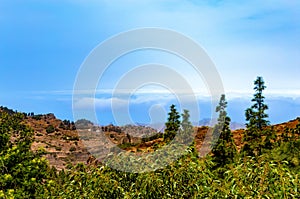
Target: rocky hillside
x: 65, y: 144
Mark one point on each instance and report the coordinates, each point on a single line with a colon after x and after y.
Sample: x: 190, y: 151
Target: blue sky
x: 44, y: 43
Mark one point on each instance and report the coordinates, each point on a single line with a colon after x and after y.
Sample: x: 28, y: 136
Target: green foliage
x: 61, y: 126
x: 73, y: 148
x: 274, y: 174
x: 256, y: 116
x: 254, y: 177
x: 36, y: 117
x: 67, y: 125
x: 189, y: 177
x: 291, y: 135
x: 288, y: 148
x: 50, y: 129
x: 266, y: 175
x: 271, y: 169
x: 186, y: 131
x: 289, y: 152
x: 21, y: 171
x: 7, y: 110
x: 224, y: 149
x: 172, y: 125
x: 185, y: 178
x: 257, y: 137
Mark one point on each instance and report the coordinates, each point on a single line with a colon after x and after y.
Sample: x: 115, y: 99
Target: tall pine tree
x: 256, y: 115
x: 186, y: 131
x: 224, y: 149
x: 256, y: 135
x: 172, y: 125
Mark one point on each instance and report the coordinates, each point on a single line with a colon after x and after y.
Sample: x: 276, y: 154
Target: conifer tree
x: 173, y: 124
x: 224, y: 149
x: 257, y: 120
x: 186, y: 131
x: 256, y: 115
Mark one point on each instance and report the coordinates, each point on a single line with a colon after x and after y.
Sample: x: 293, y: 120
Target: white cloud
x: 99, y: 103
x: 153, y: 95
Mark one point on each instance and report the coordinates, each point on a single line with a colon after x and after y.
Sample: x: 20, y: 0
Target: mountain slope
x: 65, y: 145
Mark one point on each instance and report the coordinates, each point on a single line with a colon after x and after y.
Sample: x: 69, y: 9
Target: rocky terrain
x: 67, y: 145
x: 65, y: 142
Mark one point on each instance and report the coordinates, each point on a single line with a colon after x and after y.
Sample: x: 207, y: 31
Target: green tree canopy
x: 186, y: 130
x: 224, y: 149
x: 173, y: 124
x: 256, y: 135
x: 256, y: 115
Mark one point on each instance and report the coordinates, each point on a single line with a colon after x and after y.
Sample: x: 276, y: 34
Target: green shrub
x: 73, y: 148
x: 50, y: 129
x: 37, y: 117
x: 21, y: 170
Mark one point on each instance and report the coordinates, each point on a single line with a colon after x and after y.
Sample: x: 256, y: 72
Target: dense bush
x: 50, y: 129
x: 189, y: 177
x: 21, y: 170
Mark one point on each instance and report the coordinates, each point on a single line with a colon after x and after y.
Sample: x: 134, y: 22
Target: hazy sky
x: 44, y: 43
